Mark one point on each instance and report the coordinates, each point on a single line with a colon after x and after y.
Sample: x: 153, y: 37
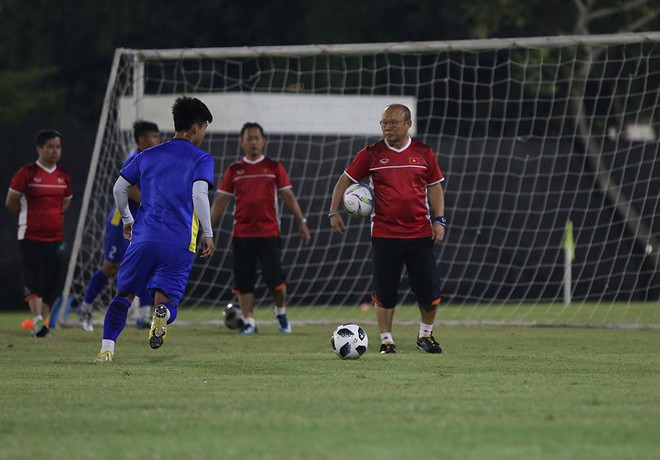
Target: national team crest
x: 413, y: 160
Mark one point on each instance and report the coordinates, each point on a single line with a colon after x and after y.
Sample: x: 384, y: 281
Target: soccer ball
x: 358, y: 200
x: 349, y: 341
x: 233, y: 316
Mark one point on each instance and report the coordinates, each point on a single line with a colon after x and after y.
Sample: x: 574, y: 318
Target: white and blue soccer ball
x: 358, y: 200
x: 349, y: 341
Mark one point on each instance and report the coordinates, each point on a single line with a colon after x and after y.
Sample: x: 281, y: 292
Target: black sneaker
x: 387, y: 348
x: 428, y: 344
x: 40, y: 329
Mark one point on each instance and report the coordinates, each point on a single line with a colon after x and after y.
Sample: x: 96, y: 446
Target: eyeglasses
x: 391, y: 124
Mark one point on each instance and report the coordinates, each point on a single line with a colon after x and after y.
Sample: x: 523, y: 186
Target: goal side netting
x: 549, y: 147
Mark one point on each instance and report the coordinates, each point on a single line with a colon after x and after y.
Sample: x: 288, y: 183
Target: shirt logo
x: 413, y: 160
x: 265, y: 170
x: 384, y: 161
x: 37, y: 179
x: 60, y: 180
x: 240, y: 171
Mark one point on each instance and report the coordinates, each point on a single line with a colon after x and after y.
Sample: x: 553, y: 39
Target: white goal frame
x: 625, y: 209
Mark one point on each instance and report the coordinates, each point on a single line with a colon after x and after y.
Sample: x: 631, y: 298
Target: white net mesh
x: 530, y: 133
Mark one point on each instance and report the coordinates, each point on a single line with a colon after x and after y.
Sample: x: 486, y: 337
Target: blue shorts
x: 163, y: 267
x: 115, y: 243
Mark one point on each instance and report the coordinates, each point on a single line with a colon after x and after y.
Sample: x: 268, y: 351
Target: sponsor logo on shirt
x: 384, y: 161
x: 240, y: 171
x: 37, y: 179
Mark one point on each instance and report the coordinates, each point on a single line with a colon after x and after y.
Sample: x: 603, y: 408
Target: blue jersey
x: 166, y: 174
x: 114, y: 218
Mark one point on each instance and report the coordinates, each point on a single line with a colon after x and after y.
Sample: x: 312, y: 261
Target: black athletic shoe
x: 387, y: 348
x: 40, y: 329
x: 428, y: 344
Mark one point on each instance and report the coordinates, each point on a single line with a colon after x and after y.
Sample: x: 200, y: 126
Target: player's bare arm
x: 208, y: 247
x: 437, y: 200
x: 336, y: 220
x: 128, y: 231
x: 220, y: 204
x: 292, y: 205
x: 13, y: 202
x: 66, y: 204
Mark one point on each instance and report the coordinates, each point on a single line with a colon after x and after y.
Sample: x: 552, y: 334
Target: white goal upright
x: 531, y: 133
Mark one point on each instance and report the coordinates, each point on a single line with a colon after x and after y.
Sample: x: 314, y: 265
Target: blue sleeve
x: 131, y: 172
x: 131, y: 156
x: 204, y: 170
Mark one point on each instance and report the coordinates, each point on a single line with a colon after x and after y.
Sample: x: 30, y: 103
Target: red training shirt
x: 255, y: 185
x: 400, y: 179
x: 41, y: 217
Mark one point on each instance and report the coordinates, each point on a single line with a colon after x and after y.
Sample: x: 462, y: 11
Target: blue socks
x: 115, y: 318
x: 95, y: 285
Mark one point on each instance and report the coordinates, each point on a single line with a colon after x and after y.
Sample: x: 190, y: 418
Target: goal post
x: 531, y: 133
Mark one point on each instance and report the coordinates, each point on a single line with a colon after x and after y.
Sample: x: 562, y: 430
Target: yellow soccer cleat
x: 158, y: 330
x: 104, y: 357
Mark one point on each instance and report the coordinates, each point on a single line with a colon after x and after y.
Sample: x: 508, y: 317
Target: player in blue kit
x: 146, y: 135
x: 174, y: 179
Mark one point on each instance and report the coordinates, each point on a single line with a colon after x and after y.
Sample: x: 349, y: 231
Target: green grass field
x: 495, y: 393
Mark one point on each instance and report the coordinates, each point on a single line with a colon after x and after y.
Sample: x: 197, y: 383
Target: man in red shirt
x: 255, y: 181
x: 406, y: 178
x: 39, y: 194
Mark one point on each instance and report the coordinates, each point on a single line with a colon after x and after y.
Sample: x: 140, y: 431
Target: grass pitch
x: 495, y: 393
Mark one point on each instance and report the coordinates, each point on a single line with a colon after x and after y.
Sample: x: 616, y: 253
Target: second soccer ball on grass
x: 349, y: 341
x: 233, y: 316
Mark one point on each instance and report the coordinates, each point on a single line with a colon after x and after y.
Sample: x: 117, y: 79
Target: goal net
x: 535, y: 136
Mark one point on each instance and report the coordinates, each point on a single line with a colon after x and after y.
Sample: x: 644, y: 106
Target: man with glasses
x: 174, y: 179
x: 406, y: 178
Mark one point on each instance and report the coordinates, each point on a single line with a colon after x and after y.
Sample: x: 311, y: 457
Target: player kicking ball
x: 174, y: 179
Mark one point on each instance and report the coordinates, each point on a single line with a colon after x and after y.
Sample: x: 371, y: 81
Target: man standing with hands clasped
x: 406, y: 178
x: 256, y: 181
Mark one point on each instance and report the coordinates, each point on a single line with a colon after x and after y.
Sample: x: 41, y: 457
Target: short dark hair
x: 142, y: 127
x: 45, y: 135
x: 252, y: 124
x: 187, y: 111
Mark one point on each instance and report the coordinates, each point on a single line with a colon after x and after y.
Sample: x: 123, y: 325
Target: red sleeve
x: 20, y: 180
x: 227, y: 183
x: 282, y: 178
x: 359, y: 167
x: 433, y: 173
